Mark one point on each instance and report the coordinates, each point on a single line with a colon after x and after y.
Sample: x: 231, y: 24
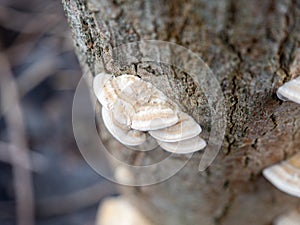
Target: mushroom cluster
x: 133, y: 110
x: 285, y: 175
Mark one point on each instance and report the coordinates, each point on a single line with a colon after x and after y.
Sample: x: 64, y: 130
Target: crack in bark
x: 234, y: 100
x: 273, y: 118
x: 218, y: 220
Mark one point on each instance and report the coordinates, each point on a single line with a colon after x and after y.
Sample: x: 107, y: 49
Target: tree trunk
x: 252, y: 47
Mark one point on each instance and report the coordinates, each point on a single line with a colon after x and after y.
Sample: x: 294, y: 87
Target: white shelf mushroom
x: 290, y: 91
x: 185, y: 128
x: 184, y: 147
x: 133, y: 107
x: 285, y: 175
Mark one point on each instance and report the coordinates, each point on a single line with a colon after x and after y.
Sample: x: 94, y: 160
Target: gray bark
x: 251, y: 47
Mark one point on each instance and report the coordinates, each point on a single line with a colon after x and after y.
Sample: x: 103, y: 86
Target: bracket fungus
x: 131, y: 108
x: 285, y: 175
x: 290, y: 91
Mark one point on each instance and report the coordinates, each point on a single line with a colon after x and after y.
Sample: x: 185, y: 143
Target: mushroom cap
x: 128, y: 88
x: 185, y: 128
x: 153, y: 117
x: 125, y: 136
x: 99, y: 82
x: 285, y: 175
x: 184, y: 147
x: 157, y: 113
x: 133, y: 89
x: 113, y: 89
x: 290, y: 91
x: 122, y: 112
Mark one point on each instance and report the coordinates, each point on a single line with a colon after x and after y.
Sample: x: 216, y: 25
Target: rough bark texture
x: 252, y: 48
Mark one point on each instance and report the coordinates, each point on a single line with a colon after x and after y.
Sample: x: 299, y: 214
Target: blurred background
x: 43, y: 177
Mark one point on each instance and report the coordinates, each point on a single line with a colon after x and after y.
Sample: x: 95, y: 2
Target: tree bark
x: 252, y: 48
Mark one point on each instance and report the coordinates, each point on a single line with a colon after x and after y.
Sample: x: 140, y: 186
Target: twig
x: 37, y: 26
x: 19, y: 156
x: 69, y: 203
x: 64, y: 204
x: 38, y: 161
x: 36, y: 73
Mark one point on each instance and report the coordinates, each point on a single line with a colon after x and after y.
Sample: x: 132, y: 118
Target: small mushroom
x: 185, y: 128
x: 184, y: 147
x: 119, y: 211
x: 123, y: 175
x: 125, y: 136
x: 285, y: 175
x: 290, y: 218
x: 290, y: 91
